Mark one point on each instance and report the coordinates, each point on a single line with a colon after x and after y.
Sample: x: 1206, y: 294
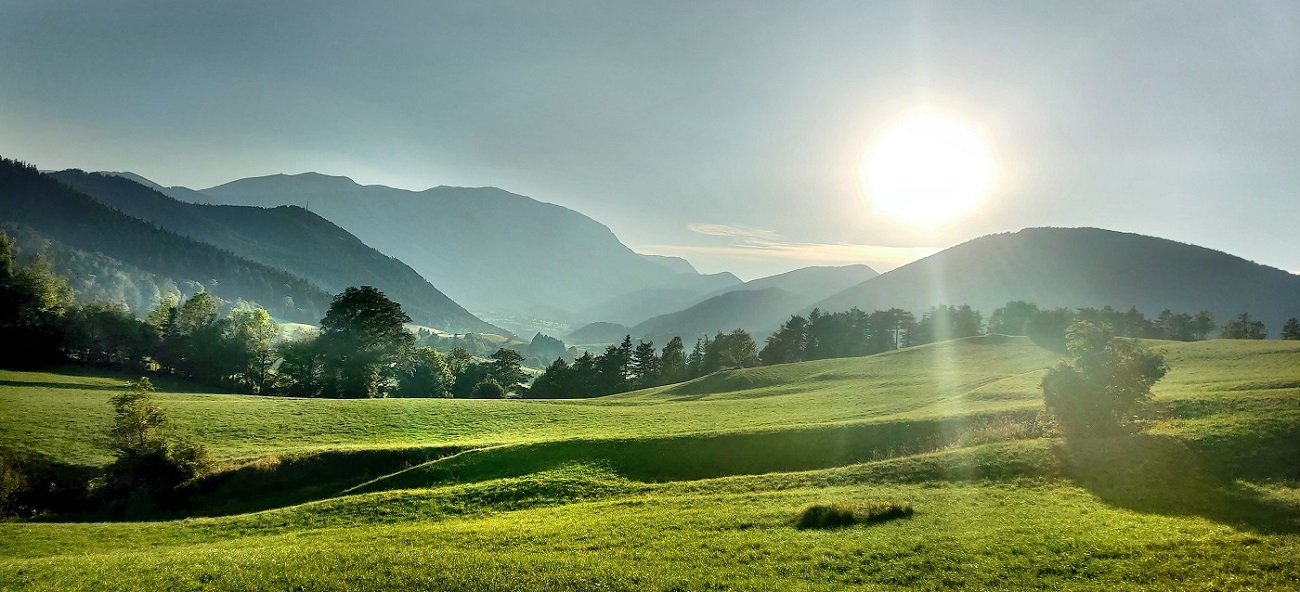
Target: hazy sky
x: 729, y: 133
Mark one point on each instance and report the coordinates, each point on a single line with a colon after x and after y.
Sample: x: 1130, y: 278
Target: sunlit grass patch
x: 844, y: 513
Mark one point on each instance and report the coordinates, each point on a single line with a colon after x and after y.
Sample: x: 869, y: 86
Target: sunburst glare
x: 927, y: 169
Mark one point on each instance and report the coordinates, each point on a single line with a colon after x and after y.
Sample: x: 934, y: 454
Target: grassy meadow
x: 699, y: 486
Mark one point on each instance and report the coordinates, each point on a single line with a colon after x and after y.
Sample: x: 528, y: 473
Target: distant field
x: 696, y: 486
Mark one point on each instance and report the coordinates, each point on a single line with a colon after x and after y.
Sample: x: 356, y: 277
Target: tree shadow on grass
x: 62, y: 385
x: 275, y: 482
x: 1164, y: 475
x: 266, y: 483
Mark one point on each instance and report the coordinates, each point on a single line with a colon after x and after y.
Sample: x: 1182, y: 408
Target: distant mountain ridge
x: 493, y: 251
x: 809, y: 284
x: 286, y: 237
x: 1082, y: 267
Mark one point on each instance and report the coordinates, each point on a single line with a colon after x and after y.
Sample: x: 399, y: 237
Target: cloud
x: 759, y: 244
x: 728, y: 230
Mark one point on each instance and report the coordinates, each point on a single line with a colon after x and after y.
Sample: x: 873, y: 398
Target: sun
x: 927, y: 169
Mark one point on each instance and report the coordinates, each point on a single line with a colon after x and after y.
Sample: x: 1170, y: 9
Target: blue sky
x: 731, y: 133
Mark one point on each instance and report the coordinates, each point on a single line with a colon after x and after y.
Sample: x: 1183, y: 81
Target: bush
x: 13, y: 481
x: 152, y: 462
x: 841, y: 514
x: 488, y: 389
x: 1105, y: 386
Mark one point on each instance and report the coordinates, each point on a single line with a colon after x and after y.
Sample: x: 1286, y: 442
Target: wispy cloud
x: 729, y: 230
x: 759, y: 244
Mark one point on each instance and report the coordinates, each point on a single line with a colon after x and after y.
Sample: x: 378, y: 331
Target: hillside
x: 38, y: 201
x: 812, y: 283
x: 288, y: 238
x: 1082, y: 267
x: 674, y: 264
x: 753, y: 310
x: 666, y: 488
x: 497, y: 253
x: 598, y: 333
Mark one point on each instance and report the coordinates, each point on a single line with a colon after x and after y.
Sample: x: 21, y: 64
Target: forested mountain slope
x: 288, y: 238
x: 1083, y: 267
x: 38, y: 201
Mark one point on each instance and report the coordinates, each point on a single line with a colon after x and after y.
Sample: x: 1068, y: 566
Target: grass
x: 843, y: 513
x: 699, y: 486
x: 59, y: 416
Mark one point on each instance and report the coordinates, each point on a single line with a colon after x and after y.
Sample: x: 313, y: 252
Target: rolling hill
x: 288, y: 238
x: 499, y: 254
x: 699, y: 485
x: 42, y: 203
x: 1082, y: 267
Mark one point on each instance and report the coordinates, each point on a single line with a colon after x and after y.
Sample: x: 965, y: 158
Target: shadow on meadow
x: 45, y: 384
x: 699, y: 456
x: 275, y: 482
x: 1165, y: 475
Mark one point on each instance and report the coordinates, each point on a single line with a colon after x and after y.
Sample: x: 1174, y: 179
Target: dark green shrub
x: 1105, y: 386
x: 13, y: 481
x: 152, y: 462
x: 488, y: 389
x: 840, y: 514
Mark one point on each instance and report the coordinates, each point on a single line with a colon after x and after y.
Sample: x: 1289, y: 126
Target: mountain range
x: 541, y: 264
x: 508, y: 258
x: 60, y: 213
x: 286, y: 237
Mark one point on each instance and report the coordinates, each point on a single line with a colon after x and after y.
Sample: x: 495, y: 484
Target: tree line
x: 363, y: 348
x: 625, y: 367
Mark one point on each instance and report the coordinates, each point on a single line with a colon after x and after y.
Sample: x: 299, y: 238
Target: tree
x: 488, y: 389
x: 1203, y: 324
x: 646, y: 365
x: 302, y: 368
x: 1243, y: 327
x: 1048, y: 327
x: 695, y: 362
x: 363, y: 336
x: 729, y: 350
x: 139, y: 422
x: 423, y: 373
x: 672, y: 363
x: 199, y: 312
x: 942, y: 323
x: 458, y: 359
x: 888, y: 330
x: 506, y: 370
x: 554, y: 381
x: 250, y: 332
x: 1104, y: 385
x: 1291, y: 330
x: 787, y: 344
x: 33, y: 301
x: 469, y: 377
x: 152, y: 461
x: 1012, y: 318
x: 106, y: 335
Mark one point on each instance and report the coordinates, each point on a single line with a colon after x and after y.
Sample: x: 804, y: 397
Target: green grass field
x: 698, y: 486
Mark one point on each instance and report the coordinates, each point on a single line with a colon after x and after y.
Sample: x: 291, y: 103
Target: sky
x: 729, y: 133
